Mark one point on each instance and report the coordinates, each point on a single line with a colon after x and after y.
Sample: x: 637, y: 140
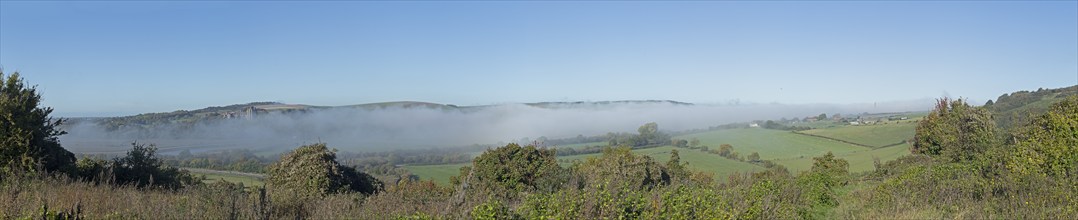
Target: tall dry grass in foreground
x: 26, y: 197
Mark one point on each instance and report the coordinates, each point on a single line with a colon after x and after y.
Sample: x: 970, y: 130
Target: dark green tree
x: 650, y: 135
x: 142, y: 168
x: 725, y: 149
x: 28, y: 136
x: 754, y: 157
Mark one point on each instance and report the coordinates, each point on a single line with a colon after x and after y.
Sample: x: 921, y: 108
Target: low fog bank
x: 354, y: 129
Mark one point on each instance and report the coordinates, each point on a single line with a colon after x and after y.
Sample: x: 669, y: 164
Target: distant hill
x: 200, y: 115
x: 254, y: 109
x: 1014, y: 109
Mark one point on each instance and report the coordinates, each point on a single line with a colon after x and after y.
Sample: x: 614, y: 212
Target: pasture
x: 439, y: 173
x: 860, y: 161
x: 771, y: 144
x: 792, y: 150
x: 878, y: 135
x: 211, y: 176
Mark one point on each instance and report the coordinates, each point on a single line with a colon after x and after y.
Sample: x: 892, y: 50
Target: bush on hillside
x: 311, y: 172
x: 954, y: 130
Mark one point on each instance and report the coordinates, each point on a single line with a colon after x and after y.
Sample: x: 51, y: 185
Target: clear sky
x: 115, y: 58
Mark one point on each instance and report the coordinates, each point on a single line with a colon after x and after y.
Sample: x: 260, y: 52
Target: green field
x: 211, y: 177
x: 795, y: 151
x: 439, y: 173
x: 771, y: 144
x: 697, y: 160
x: 859, y: 160
x: 872, y: 135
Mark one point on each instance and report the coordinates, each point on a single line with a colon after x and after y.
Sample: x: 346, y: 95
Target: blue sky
x: 115, y: 58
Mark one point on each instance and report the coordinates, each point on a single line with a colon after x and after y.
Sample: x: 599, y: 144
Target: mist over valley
x: 273, y: 127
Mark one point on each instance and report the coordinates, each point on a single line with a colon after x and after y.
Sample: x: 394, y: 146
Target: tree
x: 648, y: 129
x: 830, y: 165
x: 725, y: 149
x: 772, y: 125
x: 650, y: 135
x: 754, y: 157
x: 817, y: 185
x: 955, y: 131
x: 694, y: 142
x: 674, y: 165
x: 822, y: 116
x: 313, y: 171
x: 142, y: 168
x: 28, y: 136
x: 681, y: 143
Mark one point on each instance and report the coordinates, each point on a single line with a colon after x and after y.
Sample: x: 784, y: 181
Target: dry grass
x: 24, y: 197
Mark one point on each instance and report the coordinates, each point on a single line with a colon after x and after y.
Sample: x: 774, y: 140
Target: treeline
x: 727, y: 151
x: 769, y: 124
x: 241, y: 160
x: 647, y: 136
x: 389, y: 164
x: 711, y: 128
x: 579, y: 139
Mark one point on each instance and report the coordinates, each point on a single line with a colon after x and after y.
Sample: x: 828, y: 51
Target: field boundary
x: 225, y: 172
x: 848, y: 142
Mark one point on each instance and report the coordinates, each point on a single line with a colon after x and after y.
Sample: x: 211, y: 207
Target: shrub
x: 955, y: 131
x: 1049, y: 145
x: 511, y: 169
x: 621, y: 167
x: 311, y: 172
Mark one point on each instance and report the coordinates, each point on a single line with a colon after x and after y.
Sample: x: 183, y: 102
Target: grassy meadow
x: 439, y: 173
x: 698, y: 161
x: 872, y: 135
x: 216, y: 176
x: 771, y: 144
x: 859, y: 160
